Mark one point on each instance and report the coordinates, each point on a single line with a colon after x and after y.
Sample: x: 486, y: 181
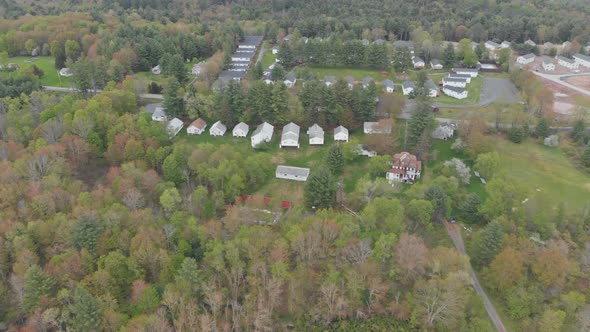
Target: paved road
x: 455, y: 234
x: 558, y: 79
x: 62, y: 89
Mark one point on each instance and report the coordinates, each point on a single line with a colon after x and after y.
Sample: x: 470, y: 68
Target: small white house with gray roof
x: 159, y: 115
x: 457, y: 82
x: 340, y: 134
x: 217, y: 129
x: 262, y: 134
x: 548, y: 64
x: 350, y: 82
x: 525, y: 59
x: 408, y: 87
x: 174, y: 126
x: 292, y: 173
x: 329, y: 80
x: 316, y: 135
x: 290, y: 136
x: 389, y: 87
x: 240, y: 130
x: 290, y: 80
x: 367, y: 81
x: 435, y: 64
x: 567, y: 62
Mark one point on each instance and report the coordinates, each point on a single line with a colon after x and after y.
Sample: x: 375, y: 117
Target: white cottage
x: 174, y: 126
x: 156, y: 70
x: 197, y: 127
x: 456, y: 82
x: 367, y: 81
x: 159, y: 115
x: 263, y: 133
x: 340, y: 134
x: 435, y: 64
x: 466, y: 71
x: 290, y: 136
x: 455, y: 92
x: 329, y: 80
x: 350, y: 82
x: 241, y: 130
x: 408, y: 87
x: 290, y: 80
x: 548, y: 64
x: 217, y: 129
x: 418, y: 62
x: 292, y: 173
x: 525, y: 59
x: 582, y: 60
x: 389, y: 86
x: 567, y: 62
x: 316, y: 135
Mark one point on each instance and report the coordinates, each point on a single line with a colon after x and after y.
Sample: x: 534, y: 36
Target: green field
x: 268, y: 58
x: 45, y: 63
x: 488, y: 114
x: 473, y: 88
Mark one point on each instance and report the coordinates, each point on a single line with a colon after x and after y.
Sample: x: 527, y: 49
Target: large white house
x: 466, y: 71
x: 174, y: 126
x: 340, y: 134
x: 292, y: 173
x: 316, y: 135
x: 263, y: 133
x: 567, y: 62
x: 389, y: 87
x: 408, y: 87
x: 217, y: 129
x: 290, y: 136
x: 405, y: 168
x: 525, y: 59
x: 418, y: 62
x: 197, y: 127
x: 548, y: 64
x: 455, y: 92
x: 290, y: 80
x: 582, y: 60
x: 376, y: 128
x: 240, y: 130
x: 467, y: 78
x: 456, y: 82
x: 159, y: 115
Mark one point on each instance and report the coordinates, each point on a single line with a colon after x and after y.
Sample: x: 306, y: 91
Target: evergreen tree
x: 260, y: 102
x: 421, y: 91
x: 86, y: 233
x: 277, y: 73
x: 177, y: 69
x: 586, y: 156
x: 37, y: 286
x: 517, y: 134
x: 448, y: 58
x: 85, y: 310
x: 377, y: 56
x: 488, y: 244
x: 542, y: 130
x: 280, y: 102
x: 257, y: 72
x: 335, y: 159
x: 469, y: 208
x: 402, y: 58
x: 286, y: 56
x: 440, y: 201
x: 579, y: 131
x: 470, y: 59
x: 173, y: 100
x: 320, y: 190
x: 421, y: 122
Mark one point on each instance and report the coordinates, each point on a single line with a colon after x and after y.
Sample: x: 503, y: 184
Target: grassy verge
x: 268, y: 58
x: 358, y: 74
x: 473, y: 88
x: 45, y: 63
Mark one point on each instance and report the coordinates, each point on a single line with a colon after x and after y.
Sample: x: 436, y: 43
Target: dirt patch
x: 580, y: 81
x: 560, y: 107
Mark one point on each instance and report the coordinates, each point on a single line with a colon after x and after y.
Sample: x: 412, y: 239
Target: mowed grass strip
x: 46, y: 63
x: 358, y: 74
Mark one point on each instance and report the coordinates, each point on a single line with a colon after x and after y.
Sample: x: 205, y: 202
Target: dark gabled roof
x: 408, y: 84
x: 418, y: 59
x: 330, y: 79
x: 528, y: 56
x: 454, y: 79
x: 456, y: 89
x: 547, y: 60
x: 367, y: 80
x: 388, y: 83
x: 291, y: 77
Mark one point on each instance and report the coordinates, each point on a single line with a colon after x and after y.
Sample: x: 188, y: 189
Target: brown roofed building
x: 405, y: 168
x: 197, y: 127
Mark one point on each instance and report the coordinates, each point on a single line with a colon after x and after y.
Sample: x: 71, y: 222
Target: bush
x: 155, y: 88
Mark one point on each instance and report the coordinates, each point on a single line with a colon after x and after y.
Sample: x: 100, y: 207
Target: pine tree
x: 257, y: 72
x: 86, y: 311
x: 421, y: 122
x: 449, y: 59
x: 469, y: 208
x: 173, y: 101
x: 277, y: 73
x: 488, y: 244
x: 542, y: 130
x: 280, y: 102
x: 285, y: 56
x: 335, y: 159
x: 37, y: 286
x: 320, y: 190
x: 402, y: 58
x: 86, y: 232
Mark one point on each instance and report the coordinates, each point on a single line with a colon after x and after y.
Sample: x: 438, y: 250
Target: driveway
x: 498, y: 89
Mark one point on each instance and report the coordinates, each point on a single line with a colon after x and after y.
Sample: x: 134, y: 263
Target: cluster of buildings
x: 409, y: 87
x: 241, y: 60
x: 454, y: 85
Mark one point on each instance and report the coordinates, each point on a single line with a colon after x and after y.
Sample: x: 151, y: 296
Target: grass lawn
x: 268, y: 58
x: 487, y: 113
x: 358, y: 74
x: 547, y: 173
x: 473, y: 88
x: 45, y: 63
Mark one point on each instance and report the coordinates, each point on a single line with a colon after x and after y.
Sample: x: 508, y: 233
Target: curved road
x: 558, y: 79
x: 455, y: 234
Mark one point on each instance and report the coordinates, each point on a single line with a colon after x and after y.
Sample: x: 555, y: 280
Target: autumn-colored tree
x: 411, y: 255
x: 507, y: 269
x: 551, y: 267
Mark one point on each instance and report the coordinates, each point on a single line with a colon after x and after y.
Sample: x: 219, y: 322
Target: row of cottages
x: 198, y: 127
x: 406, y: 168
x: 290, y: 80
x: 525, y: 59
x: 409, y: 87
x: 290, y: 136
x: 548, y: 64
x: 582, y: 60
x: 292, y: 173
x: 567, y: 62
